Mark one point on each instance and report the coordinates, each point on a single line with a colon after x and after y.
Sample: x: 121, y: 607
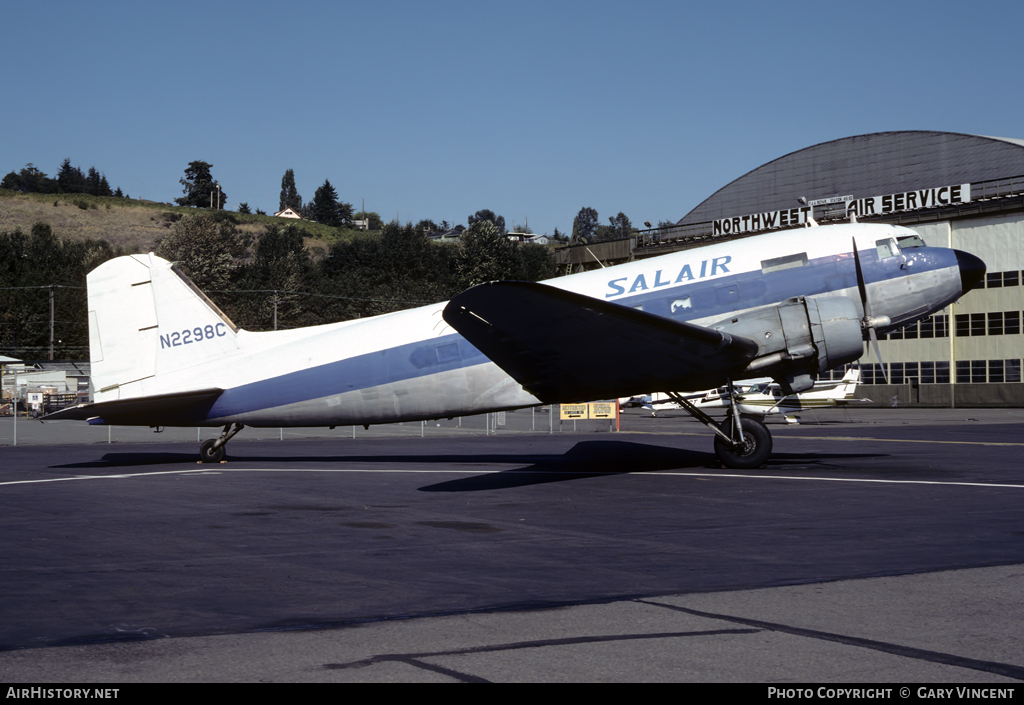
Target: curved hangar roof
x: 866, y: 165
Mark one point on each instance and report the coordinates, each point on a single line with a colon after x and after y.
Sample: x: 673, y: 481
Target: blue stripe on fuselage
x: 351, y: 374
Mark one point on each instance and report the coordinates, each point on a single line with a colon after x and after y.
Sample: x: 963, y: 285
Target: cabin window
x: 728, y: 293
x: 448, y: 353
x: 787, y: 262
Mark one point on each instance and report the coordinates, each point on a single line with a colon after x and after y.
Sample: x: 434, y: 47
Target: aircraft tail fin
x: 849, y: 383
x: 147, y: 319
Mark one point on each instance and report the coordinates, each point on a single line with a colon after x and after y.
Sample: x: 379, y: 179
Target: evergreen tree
x: 200, y: 188
x: 327, y: 209
x: 290, y: 197
x: 92, y: 182
x: 70, y: 179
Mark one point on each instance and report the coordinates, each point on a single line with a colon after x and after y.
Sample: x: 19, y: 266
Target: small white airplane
x: 763, y: 396
x: 788, y: 304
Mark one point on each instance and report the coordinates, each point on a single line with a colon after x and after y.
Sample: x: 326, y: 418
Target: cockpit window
x: 910, y: 241
x: 887, y: 248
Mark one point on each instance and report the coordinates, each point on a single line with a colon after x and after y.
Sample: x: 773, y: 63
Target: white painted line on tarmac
x: 658, y: 473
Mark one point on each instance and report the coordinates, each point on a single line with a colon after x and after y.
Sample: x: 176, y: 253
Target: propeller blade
x: 868, y: 323
x: 861, y: 284
x: 878, y: 352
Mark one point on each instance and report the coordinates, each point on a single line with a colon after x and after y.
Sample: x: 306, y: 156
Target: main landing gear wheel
x: 752, y: 452
x: 210, y: 453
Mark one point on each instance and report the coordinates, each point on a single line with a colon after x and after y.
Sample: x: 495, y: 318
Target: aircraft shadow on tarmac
x: 602, y: 458
x: 586, y: 459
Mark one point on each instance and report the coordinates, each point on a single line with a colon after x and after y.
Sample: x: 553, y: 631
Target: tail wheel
x: 752, y: 452
x: 208, y: 453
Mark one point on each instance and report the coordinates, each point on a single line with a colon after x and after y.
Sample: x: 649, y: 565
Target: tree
x: 485, y: 214
x: 70, y: 179
x: 281, y: 264
x: 243, y: 207
x: 584, y: 226
x: 30, y: 262
x: 618, y: 227
x: 200, y: 189
x: 29, y: 180
x: 290, y: 197
x: 537, y: 262
x: 96, y: 183
x: 486, y: 254
x: 427, y: 226
x: 207, y: 249
x: 375, y: 222
x: 327, y: 209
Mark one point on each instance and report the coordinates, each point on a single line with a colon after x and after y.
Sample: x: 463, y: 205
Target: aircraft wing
x: 163, y: 408
x: 566, y: 347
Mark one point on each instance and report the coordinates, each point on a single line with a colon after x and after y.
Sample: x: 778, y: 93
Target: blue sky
x: 531, y: 109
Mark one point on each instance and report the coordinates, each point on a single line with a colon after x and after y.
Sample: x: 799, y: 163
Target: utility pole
x: 51, y: 320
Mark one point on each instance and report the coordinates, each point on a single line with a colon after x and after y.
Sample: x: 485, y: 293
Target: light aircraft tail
x: 849, y: 384
x: 147, y: 319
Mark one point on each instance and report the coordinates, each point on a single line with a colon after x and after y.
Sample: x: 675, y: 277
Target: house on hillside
x: 288, y: 213
x: 529, y: 237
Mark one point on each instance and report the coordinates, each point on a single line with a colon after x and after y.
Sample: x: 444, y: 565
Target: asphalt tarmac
x: 875, y: 546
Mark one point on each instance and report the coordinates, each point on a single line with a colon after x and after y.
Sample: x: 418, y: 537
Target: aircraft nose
x: 972, y: 270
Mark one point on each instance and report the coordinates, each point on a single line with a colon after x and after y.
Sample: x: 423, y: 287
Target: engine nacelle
x: 800, y: 338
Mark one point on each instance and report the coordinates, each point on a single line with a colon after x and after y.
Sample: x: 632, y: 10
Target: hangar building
x: 955, y: 190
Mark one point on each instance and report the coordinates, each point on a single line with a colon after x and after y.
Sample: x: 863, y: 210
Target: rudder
x: 147, y: 319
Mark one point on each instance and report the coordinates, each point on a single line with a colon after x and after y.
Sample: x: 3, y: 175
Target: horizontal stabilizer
x: 566, y: 347
x: 164, y: 409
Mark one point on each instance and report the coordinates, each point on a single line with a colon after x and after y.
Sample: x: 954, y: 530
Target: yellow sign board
x: 593, y: 410
x: 574, y: 411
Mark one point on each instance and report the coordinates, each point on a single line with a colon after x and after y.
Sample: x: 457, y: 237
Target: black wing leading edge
x: 565, y: 347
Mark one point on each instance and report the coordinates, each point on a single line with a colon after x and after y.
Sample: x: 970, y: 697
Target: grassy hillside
x: 134, y: 225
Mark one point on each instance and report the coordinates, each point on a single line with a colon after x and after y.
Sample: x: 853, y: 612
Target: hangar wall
x: 971, y: 353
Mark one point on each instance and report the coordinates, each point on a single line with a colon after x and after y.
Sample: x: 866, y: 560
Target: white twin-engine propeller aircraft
x: 788, y: 305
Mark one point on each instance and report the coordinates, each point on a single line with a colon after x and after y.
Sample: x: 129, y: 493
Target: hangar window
x: 997, y: 280
x: 934, y: 327
x: 935, y: 372
x: 787, y: 262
